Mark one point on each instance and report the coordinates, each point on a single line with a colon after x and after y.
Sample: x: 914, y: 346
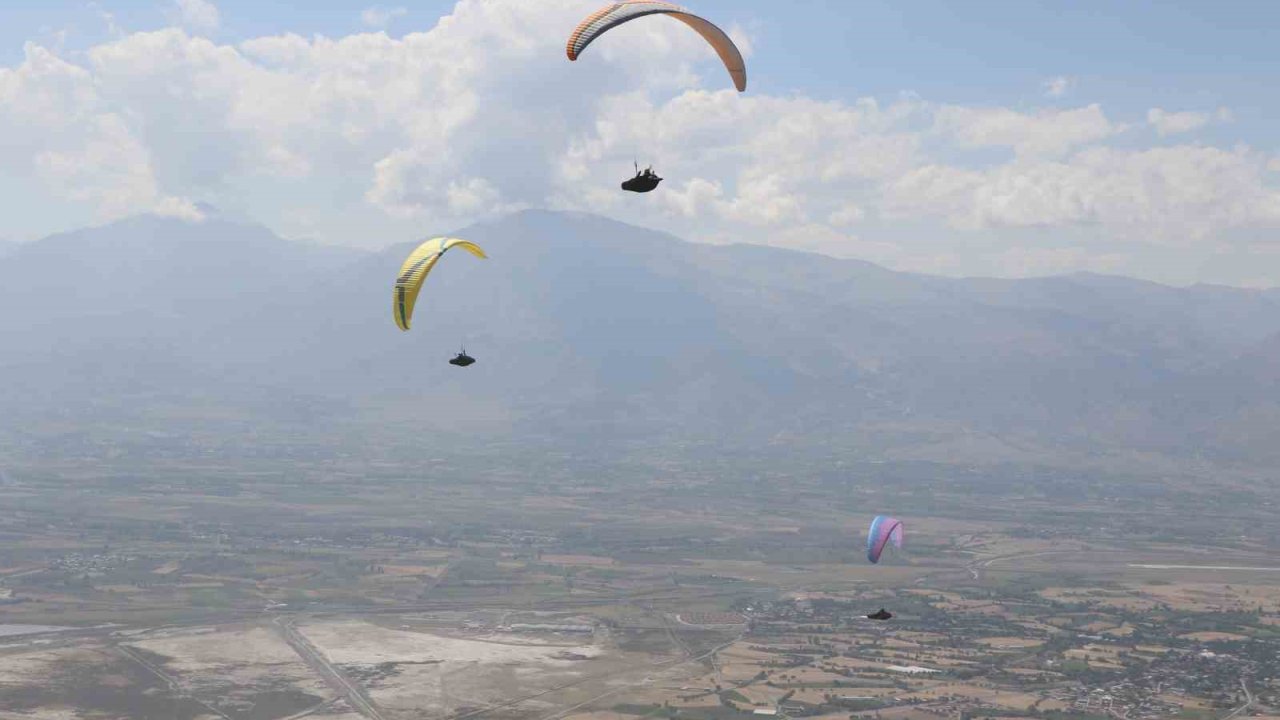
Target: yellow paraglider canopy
x: 615, y: 14
x: 414, y: 272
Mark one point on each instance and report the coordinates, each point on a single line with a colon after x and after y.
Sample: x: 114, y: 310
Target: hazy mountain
x: 590, y: 330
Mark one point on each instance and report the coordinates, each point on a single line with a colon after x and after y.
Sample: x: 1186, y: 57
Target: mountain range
x: 591, y: 332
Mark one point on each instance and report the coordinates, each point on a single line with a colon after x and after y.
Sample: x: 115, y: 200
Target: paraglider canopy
x: 615, y: 14
x: 883, y: 530
x: 644, y: 181
x: 413, y: 274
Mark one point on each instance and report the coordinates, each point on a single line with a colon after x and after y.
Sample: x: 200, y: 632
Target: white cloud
x: 56, y: 124
x: 696, y: 197
x: 483, y: 113
x: 109, y: 167
x: 198, y: 15
x: 1161, y: 195
x: 472, y: 196
x: 1058, y: 87
x: 108, y: 19
x: 1047, y: 133
x: 379, y: 17
x: 1175, y: 123
x: 754, y: 161
x: 846, y: 215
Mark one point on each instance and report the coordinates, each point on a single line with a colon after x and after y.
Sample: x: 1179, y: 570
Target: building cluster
x: 85, y: 564
x: 1152, y: 671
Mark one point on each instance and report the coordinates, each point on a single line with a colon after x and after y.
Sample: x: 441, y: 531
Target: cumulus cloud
x: 1044, y: 133
x: 1175, y: 123
x: 57, y: 126
x: 197, y: 15
x: 755, y: 161
x: 378, y: 17
x: 108, y: 19
x: 482, y: 114
x: 1166, y: 195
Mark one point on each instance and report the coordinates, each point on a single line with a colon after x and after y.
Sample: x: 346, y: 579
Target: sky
x: 979, y: 138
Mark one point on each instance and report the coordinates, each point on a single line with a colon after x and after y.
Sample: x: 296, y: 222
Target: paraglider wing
x: 884, y: 530
x: 611, y: 16
x: 414, y: 273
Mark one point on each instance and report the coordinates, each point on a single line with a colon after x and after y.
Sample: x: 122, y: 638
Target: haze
x: 1004, y: 273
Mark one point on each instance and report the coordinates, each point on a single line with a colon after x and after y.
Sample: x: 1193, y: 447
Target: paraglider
x: 644, y: 181
x: 883, y: 530
x: 880, y: 614
x: 414, y: 273
x: 615, y: 14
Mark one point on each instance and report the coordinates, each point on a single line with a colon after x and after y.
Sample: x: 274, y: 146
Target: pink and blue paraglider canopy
x: 884, y: 529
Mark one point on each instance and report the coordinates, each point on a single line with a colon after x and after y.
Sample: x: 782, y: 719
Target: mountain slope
x: 588, y: 330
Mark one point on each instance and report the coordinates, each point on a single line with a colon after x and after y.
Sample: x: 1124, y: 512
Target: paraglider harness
x: 462, y: 359
x: 644, y: 181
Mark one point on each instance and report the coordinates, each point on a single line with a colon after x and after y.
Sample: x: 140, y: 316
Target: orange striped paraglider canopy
x: 615, y: 14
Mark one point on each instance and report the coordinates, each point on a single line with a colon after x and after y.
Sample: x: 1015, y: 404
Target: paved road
x: 976, y: 567
x: 175, y: 687
x: 347, y: 688
x: 1248, y: 702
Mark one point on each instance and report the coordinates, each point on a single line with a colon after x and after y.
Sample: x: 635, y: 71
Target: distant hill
x: 590, y: 331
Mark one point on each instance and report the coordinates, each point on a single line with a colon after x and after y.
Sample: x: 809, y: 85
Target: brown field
x: 1124, y: 630
x: 1134, y: 600
x: 168, y: 567
x: 424, y: 642
x: 1212, y: 636
x: 582, y: 560
x: 986, y: 695
x: 761, y: 695
x: 1010, y: 642
x: 412, y: 570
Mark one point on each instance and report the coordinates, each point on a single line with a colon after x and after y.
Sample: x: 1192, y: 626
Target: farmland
x: 471, y: 588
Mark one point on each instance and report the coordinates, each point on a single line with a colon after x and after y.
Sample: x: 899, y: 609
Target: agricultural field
x: 296, y: 591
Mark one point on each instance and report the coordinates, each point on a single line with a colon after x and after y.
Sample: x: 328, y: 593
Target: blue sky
x: 901, y: 43
x: 1207, y: 53
x: 993, y: 128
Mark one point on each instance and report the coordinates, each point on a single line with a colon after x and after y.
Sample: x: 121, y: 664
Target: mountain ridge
x: 590, y: 328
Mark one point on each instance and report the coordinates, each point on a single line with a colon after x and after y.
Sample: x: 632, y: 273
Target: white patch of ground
x: 435, y: 674
x: 51, y: 713
x: 194, y: 652
x: 16, y: 630
x: 367, y: 644
x: 233, y: 664
x: 21, y: 669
